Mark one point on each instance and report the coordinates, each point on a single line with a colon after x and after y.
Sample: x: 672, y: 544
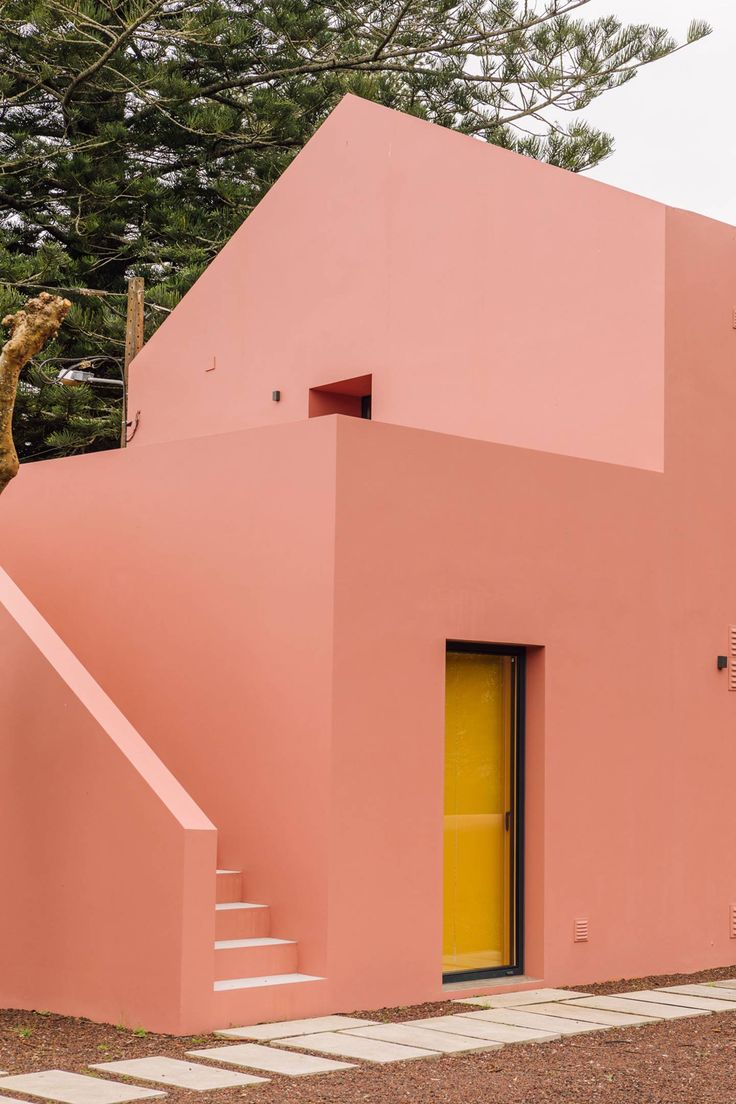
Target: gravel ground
x: 690, y: 1061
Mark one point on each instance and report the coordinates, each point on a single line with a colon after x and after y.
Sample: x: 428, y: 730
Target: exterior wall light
x: 722, y: 663
x: 72, y: 377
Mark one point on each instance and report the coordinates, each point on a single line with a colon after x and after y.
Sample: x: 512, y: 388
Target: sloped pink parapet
x: 106, y: 861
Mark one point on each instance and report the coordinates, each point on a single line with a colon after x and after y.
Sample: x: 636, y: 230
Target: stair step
x: 259, y: 941
x: 241, y: 920
x: 275, y: 1001
x: 263, y: 982
x: 254, y: 957
x: 229, y: 886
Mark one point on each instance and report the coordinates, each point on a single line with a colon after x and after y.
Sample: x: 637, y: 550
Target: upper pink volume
x: 488, y: 295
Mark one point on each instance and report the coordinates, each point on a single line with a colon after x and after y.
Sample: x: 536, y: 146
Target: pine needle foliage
x: 135, y: 135
x: 62, y: 419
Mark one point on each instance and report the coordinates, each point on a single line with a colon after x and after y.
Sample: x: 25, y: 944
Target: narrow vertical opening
x: 483, y: 822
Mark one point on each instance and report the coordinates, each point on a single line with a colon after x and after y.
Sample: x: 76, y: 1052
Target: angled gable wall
x: 488, y: 296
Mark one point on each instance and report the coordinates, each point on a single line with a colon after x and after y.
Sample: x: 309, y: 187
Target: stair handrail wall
x: 107, y: 863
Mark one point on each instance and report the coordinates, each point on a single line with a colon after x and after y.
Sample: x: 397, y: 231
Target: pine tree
x: 135, y: 135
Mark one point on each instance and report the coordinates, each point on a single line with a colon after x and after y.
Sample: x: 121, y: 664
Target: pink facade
x: 266, y: 597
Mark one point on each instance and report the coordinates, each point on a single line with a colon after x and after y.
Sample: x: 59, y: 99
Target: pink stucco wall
x: 275, y: 602
x: 620, y: 583
x: 106, y: 861
x: 488, y: 295
x: 212, y: 629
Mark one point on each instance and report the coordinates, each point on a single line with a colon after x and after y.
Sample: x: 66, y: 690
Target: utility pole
x: 133, y: 342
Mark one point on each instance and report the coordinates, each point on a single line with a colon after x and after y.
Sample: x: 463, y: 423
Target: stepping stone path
x: 679, y: 1000
x: 525, y: 1017
x: 409, y: 1034
x: 533, y: 1016
x: 293, y: 1027
x: 344, y: 1045
x: 591, y: 1015
x: 75, y: 1088
x: 172, y: 1071
x: 704, y: 990
x: 519, y: 1000
x: 271, y: 1060
x: 469, y: 1025
x: 630, y: 1003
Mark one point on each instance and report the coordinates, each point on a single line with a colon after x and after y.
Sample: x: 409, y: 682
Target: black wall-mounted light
x: 276, y: 396
x: 722, y: 663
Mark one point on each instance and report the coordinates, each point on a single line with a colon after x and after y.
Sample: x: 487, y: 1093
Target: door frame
x: 519, y: 653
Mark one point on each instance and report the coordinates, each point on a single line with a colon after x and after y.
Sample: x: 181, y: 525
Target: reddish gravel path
x: 678, y: 1062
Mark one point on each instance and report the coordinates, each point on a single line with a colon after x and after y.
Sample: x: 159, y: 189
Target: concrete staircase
x: 252, y: 967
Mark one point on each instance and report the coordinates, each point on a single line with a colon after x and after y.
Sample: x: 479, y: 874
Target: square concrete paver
x: 267, y: 1032
x: 681, y: 1000
x: 75, y: 1088
x: 520, y: 1000
x: 469, y: 1026
x: 637, y: 1007
x: 343, y: 1045
x: 527, y: 1017
x: 270, y: 1059
x: 172, y: 1071
x: 591, y: 1015
x: 727, y: 983
x: 408, y: 1034
x: 725, y: 995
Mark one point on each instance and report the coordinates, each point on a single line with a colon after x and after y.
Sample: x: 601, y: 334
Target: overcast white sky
x: 674, y: 123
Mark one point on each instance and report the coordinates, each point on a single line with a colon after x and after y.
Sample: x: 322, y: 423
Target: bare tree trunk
x: 30, y: 329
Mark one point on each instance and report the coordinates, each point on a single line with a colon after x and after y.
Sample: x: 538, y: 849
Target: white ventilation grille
x: 732, y: 921
x: 732, y: 657
x: 580, y: 930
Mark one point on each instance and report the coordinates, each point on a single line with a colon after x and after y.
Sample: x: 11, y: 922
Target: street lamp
x: 74, y: 376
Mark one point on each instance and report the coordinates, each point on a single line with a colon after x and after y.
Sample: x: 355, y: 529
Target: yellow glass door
x: 480, y: 815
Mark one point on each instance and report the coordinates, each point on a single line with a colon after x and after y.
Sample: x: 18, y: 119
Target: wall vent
x: 732, y: 921
x: 732, y: 657
x: 580, y: 930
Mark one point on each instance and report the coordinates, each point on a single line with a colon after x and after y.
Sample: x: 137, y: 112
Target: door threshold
x: 480, y: 986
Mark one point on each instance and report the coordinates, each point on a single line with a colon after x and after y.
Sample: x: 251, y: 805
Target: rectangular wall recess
x: 351, y: 396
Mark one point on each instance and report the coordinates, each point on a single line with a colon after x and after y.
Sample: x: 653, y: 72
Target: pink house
x: 410, y: 609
